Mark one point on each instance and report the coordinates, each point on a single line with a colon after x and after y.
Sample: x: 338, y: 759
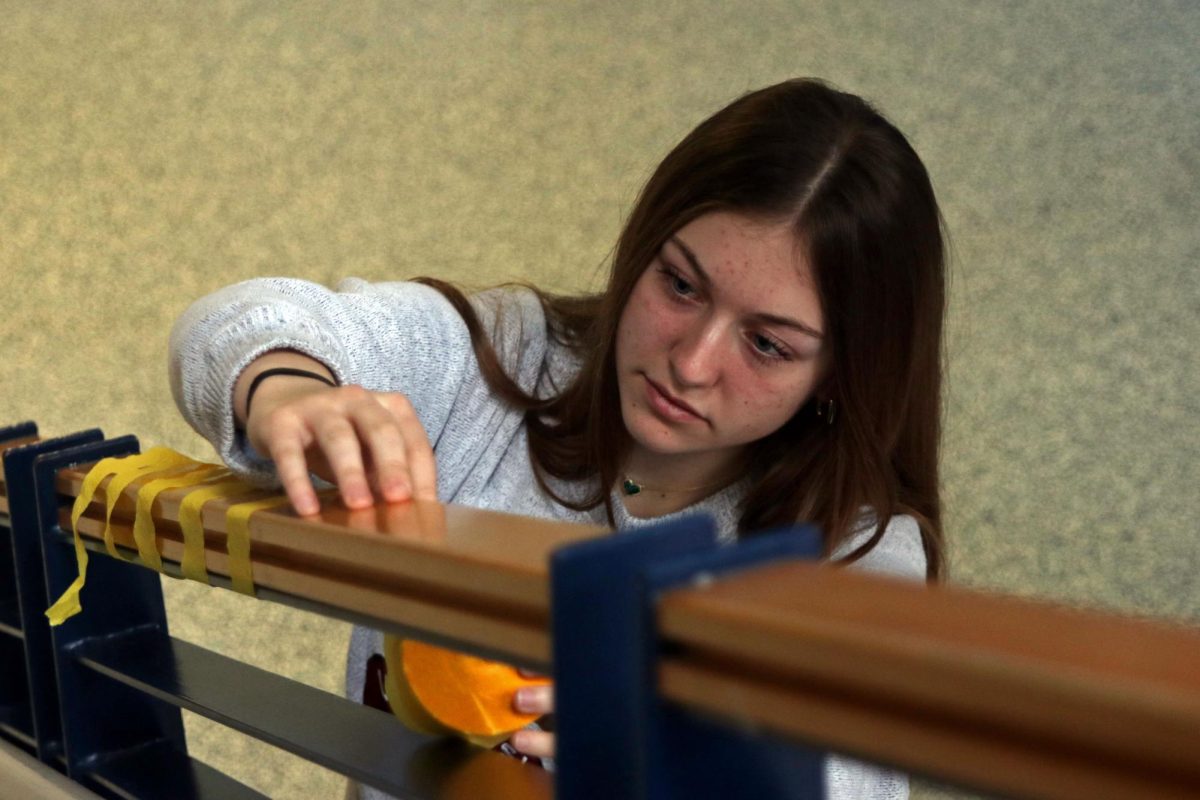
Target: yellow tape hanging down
x: 124, y: 470
x: 174, y: 470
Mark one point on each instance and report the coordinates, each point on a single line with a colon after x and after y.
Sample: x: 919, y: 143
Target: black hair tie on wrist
x: 267, y: 373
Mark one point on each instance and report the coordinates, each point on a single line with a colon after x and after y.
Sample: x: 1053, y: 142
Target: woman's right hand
x: 370, y: 444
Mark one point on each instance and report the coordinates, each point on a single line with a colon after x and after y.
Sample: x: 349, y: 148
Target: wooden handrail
x: 1010, y: 695
x: 470, y: 575
x: 3, y: 487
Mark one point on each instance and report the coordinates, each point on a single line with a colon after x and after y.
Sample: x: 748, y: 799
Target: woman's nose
x: 696, y: 358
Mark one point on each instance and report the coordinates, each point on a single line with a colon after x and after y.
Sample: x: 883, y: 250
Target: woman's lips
x: 665, y: 406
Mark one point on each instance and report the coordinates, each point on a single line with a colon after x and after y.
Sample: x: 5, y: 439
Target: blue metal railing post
x: 16, y: 724
x: 101, y: 718
x: 616, y: 736
x: 42, y: 696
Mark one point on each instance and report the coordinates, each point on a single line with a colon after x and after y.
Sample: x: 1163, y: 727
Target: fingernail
x: 520, y: 740
x: 524, y: 700
x: 307, y: 507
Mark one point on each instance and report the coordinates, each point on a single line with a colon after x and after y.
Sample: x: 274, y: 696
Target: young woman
x: 767, y: 350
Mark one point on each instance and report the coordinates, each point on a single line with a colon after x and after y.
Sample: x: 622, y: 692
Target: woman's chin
x: 654, y: 437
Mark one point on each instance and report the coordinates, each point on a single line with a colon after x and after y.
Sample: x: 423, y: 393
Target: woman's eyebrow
x: 774, y: 319
x: 691, y: 258
x: 784, y: 322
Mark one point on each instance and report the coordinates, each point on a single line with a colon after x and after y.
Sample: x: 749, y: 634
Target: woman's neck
x: 650, y: 506
x: 654, y: 484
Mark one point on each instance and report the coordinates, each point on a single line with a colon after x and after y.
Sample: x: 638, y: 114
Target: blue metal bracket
x: 43, y: 700
x: 16, y: 724
x: 122, y: 680
x: 101, y: 719
x: 616, y: 736
x: 22, y: 430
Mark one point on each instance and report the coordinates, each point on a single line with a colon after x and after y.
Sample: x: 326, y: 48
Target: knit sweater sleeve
x: 388, y: 337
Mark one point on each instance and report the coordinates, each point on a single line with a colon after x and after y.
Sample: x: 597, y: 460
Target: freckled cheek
x: 632, y: 320
x: 639, y: 322
x: 753, y: 396
x: 765, y: 397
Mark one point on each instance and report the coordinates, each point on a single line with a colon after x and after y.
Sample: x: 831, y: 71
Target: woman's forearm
x: 271, y: 360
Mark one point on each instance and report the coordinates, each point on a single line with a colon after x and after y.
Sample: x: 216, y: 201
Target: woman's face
x: 727, y: 321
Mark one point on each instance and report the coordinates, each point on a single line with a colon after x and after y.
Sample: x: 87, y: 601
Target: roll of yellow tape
x: 436, y: 691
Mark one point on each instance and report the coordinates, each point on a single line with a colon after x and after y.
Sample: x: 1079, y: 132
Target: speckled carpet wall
x: 152, y: 152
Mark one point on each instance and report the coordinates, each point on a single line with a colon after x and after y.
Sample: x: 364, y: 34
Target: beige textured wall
x: 152, y: 152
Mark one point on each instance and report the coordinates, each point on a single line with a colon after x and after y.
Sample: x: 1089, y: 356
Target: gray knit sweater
x: 406, y: 337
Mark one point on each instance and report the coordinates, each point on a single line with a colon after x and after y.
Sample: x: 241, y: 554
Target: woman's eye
x: 677, y: 283
x: 682, y: 286
x: 765, y: 346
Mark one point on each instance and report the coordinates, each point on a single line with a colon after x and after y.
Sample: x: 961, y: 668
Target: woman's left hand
x: 534, y: 700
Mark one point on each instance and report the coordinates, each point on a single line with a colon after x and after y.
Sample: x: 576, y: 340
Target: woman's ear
x: 823, y: 391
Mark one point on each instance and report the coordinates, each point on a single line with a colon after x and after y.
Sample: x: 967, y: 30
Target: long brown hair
x: 862, y: 206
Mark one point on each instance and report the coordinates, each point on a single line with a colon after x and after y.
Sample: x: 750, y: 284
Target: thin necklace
x: 632, y: 487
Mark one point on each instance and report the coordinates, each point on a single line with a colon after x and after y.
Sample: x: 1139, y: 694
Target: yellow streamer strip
x: 237, y: 527
x: 173, y: 470
x: 167, y: 462
x: 143, y: 520
x: 157, y: 458
x: 190, y: 522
